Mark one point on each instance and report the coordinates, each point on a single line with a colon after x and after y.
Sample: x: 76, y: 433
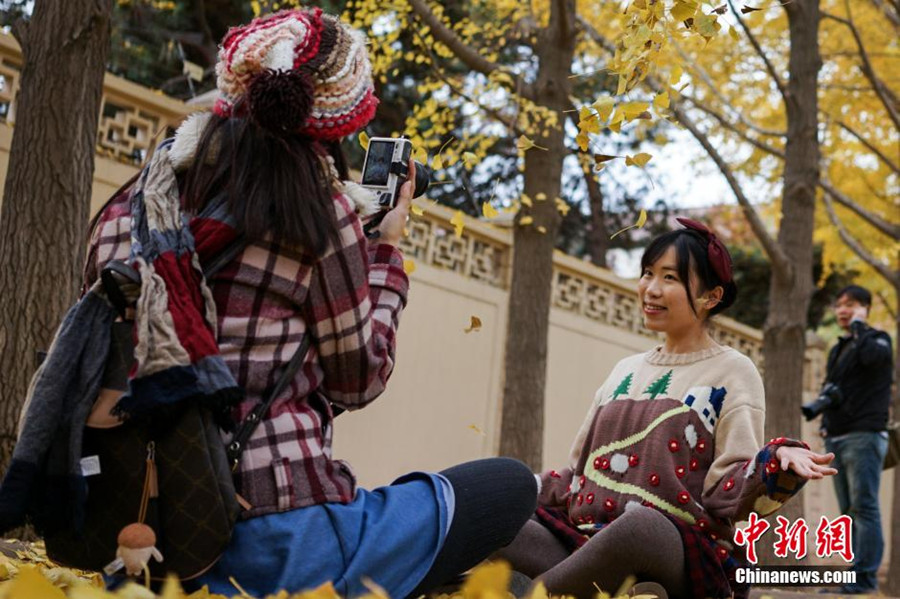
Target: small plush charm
x: 137, y: 544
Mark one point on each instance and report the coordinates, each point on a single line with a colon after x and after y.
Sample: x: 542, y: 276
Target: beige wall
x: 443, y: 403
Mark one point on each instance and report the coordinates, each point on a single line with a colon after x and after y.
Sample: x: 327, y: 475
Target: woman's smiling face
x: 664, y: 300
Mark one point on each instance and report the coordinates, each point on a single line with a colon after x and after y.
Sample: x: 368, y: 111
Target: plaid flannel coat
x: 349, y: 301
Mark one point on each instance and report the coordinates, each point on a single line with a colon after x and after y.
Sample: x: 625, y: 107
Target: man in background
x: 855, y: 427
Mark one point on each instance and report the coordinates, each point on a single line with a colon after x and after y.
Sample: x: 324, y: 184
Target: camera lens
x: 423, y: 178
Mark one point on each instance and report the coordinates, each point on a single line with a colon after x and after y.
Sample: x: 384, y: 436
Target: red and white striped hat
x: 297, y: 71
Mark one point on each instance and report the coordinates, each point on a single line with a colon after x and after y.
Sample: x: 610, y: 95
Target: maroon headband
x: 718, y: 255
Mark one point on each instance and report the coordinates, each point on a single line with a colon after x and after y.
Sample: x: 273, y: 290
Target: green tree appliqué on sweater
x: 622, y: 389
x: 660, y: 385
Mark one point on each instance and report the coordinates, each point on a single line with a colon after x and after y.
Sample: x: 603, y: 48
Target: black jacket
x: 863, y: 373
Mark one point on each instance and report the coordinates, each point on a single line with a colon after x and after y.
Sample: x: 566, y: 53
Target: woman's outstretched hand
x: 806, y: 463
x: 393, y: 223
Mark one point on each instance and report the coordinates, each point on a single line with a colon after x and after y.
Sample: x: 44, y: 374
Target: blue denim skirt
x: 390, y: 535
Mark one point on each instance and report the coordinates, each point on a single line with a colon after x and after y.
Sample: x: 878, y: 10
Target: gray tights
x: 641, y: 543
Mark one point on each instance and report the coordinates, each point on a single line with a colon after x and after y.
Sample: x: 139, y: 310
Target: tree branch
x: 731, y: 127
x: 893, y: 166
x: 769, y: 66
x: 888, y: 228
x: 512, y: 126
x: 887, y: 99
x: 707, y: 80
x: 468, y: 55
x: 893, y: 277
x: 892, y: 15
x: 774, y: 251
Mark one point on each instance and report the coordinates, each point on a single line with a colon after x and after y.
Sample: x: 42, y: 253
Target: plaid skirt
x: 710, y: 570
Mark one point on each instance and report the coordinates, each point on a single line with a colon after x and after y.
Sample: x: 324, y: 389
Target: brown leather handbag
x: 172, y: 472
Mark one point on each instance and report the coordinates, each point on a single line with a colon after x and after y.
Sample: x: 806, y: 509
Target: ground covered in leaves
x: 27, y: 573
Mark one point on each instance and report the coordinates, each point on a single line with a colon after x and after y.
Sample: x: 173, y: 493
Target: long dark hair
x: 690, y: 251
x: 275, y: 184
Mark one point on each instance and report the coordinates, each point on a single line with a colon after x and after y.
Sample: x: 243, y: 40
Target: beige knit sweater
x: 682, y: 433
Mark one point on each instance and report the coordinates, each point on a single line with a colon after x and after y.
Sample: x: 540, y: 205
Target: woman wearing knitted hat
x: 670, y: 454
x: 266, y: 165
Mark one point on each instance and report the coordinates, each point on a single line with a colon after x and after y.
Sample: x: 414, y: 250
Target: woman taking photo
x: 671, y: 452
x: 266, y: 165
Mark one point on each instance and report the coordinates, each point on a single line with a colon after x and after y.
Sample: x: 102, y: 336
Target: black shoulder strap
x: 248, y: 425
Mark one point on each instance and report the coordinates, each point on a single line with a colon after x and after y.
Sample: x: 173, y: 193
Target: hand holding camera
x: 829, y: 397
x: 389, y: 172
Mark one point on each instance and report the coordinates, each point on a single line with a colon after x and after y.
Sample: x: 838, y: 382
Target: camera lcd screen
x: 378, y: 163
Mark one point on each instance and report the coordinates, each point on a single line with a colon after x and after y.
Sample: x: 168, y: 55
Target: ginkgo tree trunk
x: 48, y: 186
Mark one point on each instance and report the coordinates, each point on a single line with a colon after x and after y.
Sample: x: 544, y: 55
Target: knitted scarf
x: 176, y: 354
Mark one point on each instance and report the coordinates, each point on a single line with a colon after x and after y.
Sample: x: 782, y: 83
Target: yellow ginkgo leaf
x: 474, y: 325
x: 30, y: 584
x: 526, y: 200
x: 416, y: 210
x: 488, y: 580
x: 526, y: 220
x: 540, y: 196
x: 409, y: 267
x: 640, y: 160
x: 661, y: 100
x: 641, y: 221
x: 623, y: 83
x: 459, y: 222
x: 604, y: 106
x: 364, y: 140
x: 525, y: 143
x: 631, y: 110
x: 469, y: 157
x: 676, y: 74
x: 733, y: 33
x: 489, y: 211
x: 583, y: 140
x: 420, y: 155
x: 541, y: 229
x: 437, y: 163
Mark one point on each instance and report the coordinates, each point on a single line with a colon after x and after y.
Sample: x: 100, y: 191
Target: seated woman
x: 670, y: 454
x: 266, y: 164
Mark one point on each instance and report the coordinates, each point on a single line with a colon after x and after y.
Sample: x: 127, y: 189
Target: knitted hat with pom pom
x: 297, y: 71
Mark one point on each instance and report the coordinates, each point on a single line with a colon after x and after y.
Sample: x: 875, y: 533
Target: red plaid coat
x: 349, y: 300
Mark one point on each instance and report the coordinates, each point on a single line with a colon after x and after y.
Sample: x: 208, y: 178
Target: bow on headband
x: 718, y: 255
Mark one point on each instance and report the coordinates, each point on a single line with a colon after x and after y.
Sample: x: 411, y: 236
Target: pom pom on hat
x: 297, y: 71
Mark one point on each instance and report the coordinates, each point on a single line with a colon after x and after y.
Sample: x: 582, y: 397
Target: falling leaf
x: 474, y: 325
x: 661, y: 100
x: 747, y: 9
x: 489, y: 211
x: 472, y: 427
x: 541, y: 229
x: 640, y: 160
x: 458, y: 222
x: 526, y: 200
x: 540, y: 196
x: 416, y: 210
x: 364, y: 140
x: 525, y: 143
x: 526, y: 220
x: 599, y: 158
x: 641, y: 221
x: 409, y: 267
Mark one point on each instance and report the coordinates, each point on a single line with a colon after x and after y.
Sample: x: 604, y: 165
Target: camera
x: 830, y: 396
x: 386, y: 167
